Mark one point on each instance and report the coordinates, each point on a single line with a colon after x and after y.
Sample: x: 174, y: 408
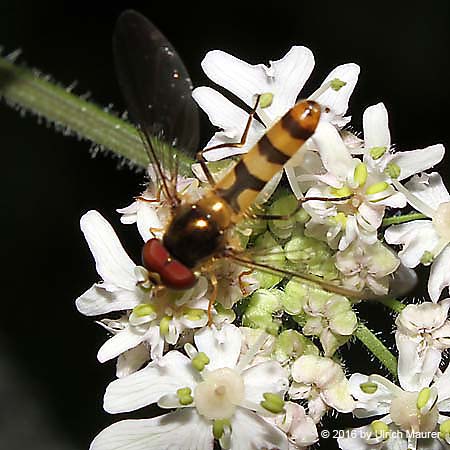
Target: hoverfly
x: 157, y: 90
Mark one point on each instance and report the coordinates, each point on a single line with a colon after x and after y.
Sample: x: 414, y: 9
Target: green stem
x: 377, y: 348
x: 26, y: 90
x: 395, y: 220
x: 393, y: 304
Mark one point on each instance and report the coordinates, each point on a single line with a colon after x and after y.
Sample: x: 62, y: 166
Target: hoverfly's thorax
x: 193, y: 235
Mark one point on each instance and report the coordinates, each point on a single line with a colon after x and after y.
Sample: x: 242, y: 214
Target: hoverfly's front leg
x: 239, y: 144
x: 298, y: 207
x: 212, y: 299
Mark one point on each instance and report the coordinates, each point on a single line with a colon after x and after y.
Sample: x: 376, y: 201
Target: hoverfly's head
x: 173, y: 273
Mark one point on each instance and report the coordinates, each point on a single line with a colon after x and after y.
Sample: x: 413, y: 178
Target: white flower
x: 426, y: 241
x: 283, y: 80
x: 407, y: 415
x: 300, y: 429
x: 215, y: 393
x: 151, y: 210
x: 423, y: 333
x: 378, y: 152
x: 367, y: 266
x: 152, y: 316
x: 322, y: 382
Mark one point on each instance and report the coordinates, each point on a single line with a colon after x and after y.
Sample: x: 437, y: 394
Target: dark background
x: 51, y: 386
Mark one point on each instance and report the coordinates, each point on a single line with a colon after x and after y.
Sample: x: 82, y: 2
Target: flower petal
x: 160, y: 433
x: 415, y: 370
x: 337, y: 101
x: 284, y: 78
x: 132, y: 360
x: 439, y: 274
x: 231, y: 119
x: 121, y: 342
x: 146, y: 386
x: 97, y: 300
x: 222, y: 346
x: 335, y: 156
x: 416, y: 237
x: 252, y: 432
x: 429, y: 189
x: 268, y: 376
x: 113, y: 264
x: 416, y: 161
x: 376, y: 127
x: 338, y: 397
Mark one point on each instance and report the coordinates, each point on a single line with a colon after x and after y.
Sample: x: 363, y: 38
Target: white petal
x: 121, y: 342
x: 416, y: 161
x: 337, y: 101
x: 335, y: 156
x: 146, y: 386
x: 268, y: 376
x: 376, y: 127
x: 132, y: 360
x: 439, y: 274
x: 113, y: 264
x: 442, y: 384
x: 165, y: 432
x: 147, y: 218
x: 222, y: 346
x: 338, y: 397
x: 416, y: 237
x: 230, y: 118
x: 430, y: 189
x: 285, y: 78
x: 97, y: 300
x: 415, y: 370
x: 249, y: 431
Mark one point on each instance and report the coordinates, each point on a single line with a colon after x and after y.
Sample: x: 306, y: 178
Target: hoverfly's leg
x: 241, y: 282
x: 212, y: 299
x: 298, y: 207
x: 239, y: 144
x: 157, y: 199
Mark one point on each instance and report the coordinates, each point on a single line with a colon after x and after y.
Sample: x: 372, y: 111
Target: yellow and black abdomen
x: 240, y: 186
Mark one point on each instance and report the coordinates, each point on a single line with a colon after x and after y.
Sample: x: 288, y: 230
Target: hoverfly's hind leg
x: 212, y: 299
x: 239, y: 144
x: 299, y: 206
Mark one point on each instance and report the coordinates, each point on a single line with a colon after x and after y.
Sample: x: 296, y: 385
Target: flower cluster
x: 261, y: 367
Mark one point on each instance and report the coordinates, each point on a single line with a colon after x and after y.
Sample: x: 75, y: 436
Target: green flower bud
x: 265, y: 100
x: 200, y: 361
x: 344, y: 191
x: 377, y: 188
x: 360, y: 174
x: 379, y: 428
x: 273, y: 256
x: 164, y: 325
x: 336, y: 84
x: 144, y: 309
x: 219, y: 427
x: 272, y: 403
x: 377, y: 152
x: 294, y: 297
x: 444, y: 430
x: 427, y: 258
x: 423, y: 397
x: 194, y: 314
x: 368, y: 387
x: 262, y: 304
x: 392, y: 170
x: 289, y: 345
x: 184, y: 396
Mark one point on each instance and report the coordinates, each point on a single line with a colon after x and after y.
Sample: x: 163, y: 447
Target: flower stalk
x: 27, y: 90
x: 396, y: 220
x: 377, y: 348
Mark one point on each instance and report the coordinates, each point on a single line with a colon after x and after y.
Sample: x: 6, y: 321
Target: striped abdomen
x: 240, y: 186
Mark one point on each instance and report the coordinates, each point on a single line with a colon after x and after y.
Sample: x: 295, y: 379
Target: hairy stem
x: 395, y: 220
x: 377, y: 348
x: 393, y: 304
x: 27, y: 90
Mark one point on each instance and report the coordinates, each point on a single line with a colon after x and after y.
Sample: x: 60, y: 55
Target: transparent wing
x: 155, y: 82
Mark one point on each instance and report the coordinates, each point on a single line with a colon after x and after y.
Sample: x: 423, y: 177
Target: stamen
x: 368, y: 387
x: 272, y: 403
x: 336, y: 84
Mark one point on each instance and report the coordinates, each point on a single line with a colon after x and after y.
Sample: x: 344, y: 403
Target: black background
x: 50, y: 383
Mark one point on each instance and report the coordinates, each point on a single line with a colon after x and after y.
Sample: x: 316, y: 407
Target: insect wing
x: 155, y: 83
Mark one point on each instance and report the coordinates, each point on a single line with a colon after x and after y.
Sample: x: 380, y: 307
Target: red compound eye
x: 173, y: 273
